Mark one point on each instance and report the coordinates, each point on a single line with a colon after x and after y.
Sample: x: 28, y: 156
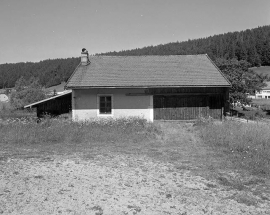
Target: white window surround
x: 98, y: 101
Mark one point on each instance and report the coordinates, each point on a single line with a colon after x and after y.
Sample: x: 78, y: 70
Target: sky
x: 35, y: 30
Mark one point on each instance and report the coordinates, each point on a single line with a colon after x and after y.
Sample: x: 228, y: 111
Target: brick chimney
x: 85, y: 57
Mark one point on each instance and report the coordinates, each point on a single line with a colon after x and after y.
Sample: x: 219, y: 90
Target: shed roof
x: 147, y: 71
x: 45, y: 100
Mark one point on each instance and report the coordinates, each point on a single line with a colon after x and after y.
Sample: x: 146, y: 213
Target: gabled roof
x: 147, y: 71
x: 45, y: 100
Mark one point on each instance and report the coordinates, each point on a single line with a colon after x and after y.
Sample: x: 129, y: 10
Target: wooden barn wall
x: 189, y: 103
x: 55, y: 106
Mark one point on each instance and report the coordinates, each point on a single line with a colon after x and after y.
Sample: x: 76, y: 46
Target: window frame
x: 98, y: 105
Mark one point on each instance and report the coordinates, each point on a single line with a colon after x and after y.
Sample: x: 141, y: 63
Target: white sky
x: 34, y: 30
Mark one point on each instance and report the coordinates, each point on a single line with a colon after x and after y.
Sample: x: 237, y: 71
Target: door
x: 180, y: 107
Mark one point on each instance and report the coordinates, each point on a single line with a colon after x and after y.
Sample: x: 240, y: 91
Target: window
x: 105, y: 104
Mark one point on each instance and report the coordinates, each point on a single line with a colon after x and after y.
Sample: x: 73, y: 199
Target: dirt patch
x: 177, y: 174
x: 116, y: 184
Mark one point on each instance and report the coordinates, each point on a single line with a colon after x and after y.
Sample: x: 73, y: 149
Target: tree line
x: 252, y: 45
x: 48, y: 72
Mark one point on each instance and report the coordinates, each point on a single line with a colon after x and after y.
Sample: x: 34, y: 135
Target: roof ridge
x: 122, y: 56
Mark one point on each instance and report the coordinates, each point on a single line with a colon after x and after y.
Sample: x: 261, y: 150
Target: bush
x: 9, y: 113
x: 26, y: 92
x: 253, y: 114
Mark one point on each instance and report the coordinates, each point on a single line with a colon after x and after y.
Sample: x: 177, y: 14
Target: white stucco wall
x: 85, y: 104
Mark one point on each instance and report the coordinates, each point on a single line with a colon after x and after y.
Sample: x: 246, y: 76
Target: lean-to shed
x: 53, y: 106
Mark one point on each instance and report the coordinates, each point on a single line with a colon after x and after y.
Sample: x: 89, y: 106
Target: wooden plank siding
x: 188, y: 103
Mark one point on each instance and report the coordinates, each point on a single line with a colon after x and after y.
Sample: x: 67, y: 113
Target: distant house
x: 264, y: 93
x: 3, y: 98
x: 173, y: 87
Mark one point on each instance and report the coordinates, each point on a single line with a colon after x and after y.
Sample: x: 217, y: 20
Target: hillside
x: 49, y: 72
x: 250, y: 45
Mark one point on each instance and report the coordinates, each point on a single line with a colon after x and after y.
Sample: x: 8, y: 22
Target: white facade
x: 263, y: 94
x: 124, y: 103
x: 3, y: 98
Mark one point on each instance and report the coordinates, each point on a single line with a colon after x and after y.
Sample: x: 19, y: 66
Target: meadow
x: 246, y: 145
x: 262, y: 102
x: 265, y: 70
x: 57, y: 135
x: 150, y: 168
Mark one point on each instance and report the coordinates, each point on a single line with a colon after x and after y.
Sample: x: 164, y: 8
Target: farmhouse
x: 264, y: 93
x: 173, y: 87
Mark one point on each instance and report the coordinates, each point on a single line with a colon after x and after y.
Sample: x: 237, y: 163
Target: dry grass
x: 170, y: 148
x: 57, y: 136
x: 23, y: 136
x: 246, y: 145
x: 8, y: 113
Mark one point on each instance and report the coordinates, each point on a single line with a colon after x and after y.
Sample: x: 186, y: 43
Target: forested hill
x: 252, y: 45
x: 49, y: 72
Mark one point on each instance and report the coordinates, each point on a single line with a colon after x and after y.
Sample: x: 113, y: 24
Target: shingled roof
x: 147, y: 71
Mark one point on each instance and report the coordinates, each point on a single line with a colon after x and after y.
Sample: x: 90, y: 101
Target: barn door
x: 180, y: 107
x: 216, y: 106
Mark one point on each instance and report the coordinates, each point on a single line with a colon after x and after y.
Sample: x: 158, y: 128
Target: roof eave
x: 65, y: 87
x: 44, y: 100
x: 219, y: 70
x: 152, y: 86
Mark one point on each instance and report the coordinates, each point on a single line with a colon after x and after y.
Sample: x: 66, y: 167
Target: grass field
x: 246, y: 145
x: 261, y: 101
x: 129, y: 166
x: 265, y: 70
